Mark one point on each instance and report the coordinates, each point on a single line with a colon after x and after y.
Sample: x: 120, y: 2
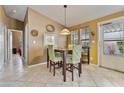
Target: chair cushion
x: 52, y: 56
x: 58, y: 54
x: 74, y: 58
x: 70, y: 60
x: 56, y: 59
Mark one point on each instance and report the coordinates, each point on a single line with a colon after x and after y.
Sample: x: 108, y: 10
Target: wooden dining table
x: 64, y: 52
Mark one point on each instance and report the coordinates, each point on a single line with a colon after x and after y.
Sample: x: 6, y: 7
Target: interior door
x: 111, y: 43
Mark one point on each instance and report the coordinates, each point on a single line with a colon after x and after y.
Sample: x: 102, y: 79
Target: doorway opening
x: 111, y: 44
x: 15, y: 47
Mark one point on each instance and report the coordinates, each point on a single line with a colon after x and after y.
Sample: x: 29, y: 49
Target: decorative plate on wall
x: 50, y: 28
x: 34, y: 32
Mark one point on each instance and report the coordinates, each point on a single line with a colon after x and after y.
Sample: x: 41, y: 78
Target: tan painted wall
x: 38, y: 21
x: 10, y: 22
x: 15, y: 37
x: 93, y: 28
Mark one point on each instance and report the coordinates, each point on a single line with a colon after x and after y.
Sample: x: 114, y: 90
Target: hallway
x: 13, y: 66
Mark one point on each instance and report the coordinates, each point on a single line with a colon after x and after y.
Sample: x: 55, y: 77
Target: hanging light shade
x: 65, y: 31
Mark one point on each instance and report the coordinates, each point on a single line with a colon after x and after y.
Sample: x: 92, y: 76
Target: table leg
x: 64, y: 65
x: 47, y: 59
x: 88, y: 56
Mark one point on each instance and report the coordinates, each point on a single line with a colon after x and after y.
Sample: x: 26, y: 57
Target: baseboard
x: 94, y: 64
x: 112, y: 69
x: 37, y: 64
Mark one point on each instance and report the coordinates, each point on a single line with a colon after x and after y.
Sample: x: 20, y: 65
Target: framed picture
x: 50, y: 28
x: 34, y: 32
x: 50, y: 39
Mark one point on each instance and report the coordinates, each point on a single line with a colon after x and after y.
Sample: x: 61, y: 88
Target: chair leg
x: 72, y: 72
x: 80, y: 66
x: 50, y: 66
x: 62, y: 69
x: 79, y: 69
x: 53, y: 69
x: 58, y: 64
x: 61, y: 63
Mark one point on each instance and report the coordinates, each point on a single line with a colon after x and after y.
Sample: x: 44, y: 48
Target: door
x: 111, y: 44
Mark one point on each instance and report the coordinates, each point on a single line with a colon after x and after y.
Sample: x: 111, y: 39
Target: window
x: 114, y: 39
x: 84, y: 37
x: 74, y: 37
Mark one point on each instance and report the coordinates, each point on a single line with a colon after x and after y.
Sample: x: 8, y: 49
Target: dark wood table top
x: 63, y: 50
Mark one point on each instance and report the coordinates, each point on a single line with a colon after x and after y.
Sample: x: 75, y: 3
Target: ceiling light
x: 65, y: 31
x: 14, y: 11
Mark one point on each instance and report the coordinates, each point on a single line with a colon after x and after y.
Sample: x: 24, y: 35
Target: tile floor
x: 15, y: 74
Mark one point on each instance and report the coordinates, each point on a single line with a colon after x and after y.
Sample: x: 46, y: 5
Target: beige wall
x: 38, y: 21
x: 16, y: 39
x: 10, y: 23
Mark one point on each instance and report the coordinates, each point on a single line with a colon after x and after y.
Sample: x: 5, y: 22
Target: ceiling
x: 76, y: 14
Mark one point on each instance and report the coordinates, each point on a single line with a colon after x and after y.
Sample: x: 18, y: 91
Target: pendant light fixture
x: 65, y: 31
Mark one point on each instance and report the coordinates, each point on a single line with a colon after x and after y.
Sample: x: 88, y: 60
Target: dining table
x: 64, y: 54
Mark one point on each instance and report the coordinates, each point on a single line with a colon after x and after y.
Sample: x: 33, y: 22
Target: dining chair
x: 53, y: 58
x: 59, y: 55
x: 74, y: 60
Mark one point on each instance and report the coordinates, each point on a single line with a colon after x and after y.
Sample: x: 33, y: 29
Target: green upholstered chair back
x: 51, y: 52
x: 76, y: 55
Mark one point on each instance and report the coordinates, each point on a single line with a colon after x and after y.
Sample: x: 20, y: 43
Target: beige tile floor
x: 14, y: 74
